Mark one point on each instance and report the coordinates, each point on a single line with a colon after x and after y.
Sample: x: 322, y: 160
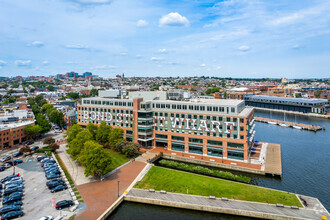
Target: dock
x: 273, y: 163
x: 315, y: 209
x: 291, y: 124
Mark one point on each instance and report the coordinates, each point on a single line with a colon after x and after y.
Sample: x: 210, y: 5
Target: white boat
x: 284, y: 125
x: 272, y: 123
x: 297, y: 127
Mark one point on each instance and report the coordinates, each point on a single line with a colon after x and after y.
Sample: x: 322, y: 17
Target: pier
x: 315, y: 209
x: 291, y: 124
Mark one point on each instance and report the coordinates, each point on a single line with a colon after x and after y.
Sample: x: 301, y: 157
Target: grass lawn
x: 117, y: 159
x: 176, y: 181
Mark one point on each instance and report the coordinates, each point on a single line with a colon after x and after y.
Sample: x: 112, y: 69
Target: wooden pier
x: 291, y: 124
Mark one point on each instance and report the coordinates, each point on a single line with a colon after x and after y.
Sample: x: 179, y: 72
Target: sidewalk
x: 75, y: 170
x: 99, y: 196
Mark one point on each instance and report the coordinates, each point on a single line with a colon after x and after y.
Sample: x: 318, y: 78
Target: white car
x: 58, y: 131
x: 48, y: 217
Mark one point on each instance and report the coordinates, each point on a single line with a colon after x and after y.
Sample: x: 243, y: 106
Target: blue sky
x: 236, y: 38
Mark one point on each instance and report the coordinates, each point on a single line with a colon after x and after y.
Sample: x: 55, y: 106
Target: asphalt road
x: 38, y: 201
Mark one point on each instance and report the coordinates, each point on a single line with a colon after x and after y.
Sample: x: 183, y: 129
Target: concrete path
x: 75, y: 170
x: 234, y: 207
x: 99, y: 196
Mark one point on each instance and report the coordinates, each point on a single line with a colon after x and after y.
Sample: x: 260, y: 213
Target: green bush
x: 204, y: 170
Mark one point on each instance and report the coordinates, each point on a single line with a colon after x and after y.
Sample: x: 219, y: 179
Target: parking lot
x: 38, y: 201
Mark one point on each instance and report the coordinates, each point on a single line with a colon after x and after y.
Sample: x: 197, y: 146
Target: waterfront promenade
x: 315, y: 209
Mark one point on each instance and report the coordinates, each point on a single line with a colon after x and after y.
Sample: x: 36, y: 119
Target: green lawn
x: 117, y: 159
x: 176, y: 181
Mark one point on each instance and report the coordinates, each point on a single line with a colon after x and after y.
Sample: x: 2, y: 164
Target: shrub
x: 131, y: 149
x: 204, y: 170
x: 49, y: 140
x: 25, y: 149
x: 119, y: 147
x: 54, y: 147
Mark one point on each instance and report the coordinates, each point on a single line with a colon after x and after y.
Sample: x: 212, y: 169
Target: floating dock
x: 291, y: 124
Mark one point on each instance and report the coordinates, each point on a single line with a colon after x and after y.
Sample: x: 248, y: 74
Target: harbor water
x: 305, y: 164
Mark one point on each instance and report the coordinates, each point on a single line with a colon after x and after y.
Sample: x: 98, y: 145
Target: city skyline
x: 243, y: 39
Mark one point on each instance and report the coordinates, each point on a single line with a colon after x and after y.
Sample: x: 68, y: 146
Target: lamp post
x: 118, y: 188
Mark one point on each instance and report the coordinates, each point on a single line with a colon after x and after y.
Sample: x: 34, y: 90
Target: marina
x: 282, y: 123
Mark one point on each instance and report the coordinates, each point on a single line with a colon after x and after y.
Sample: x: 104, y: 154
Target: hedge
x: 204, y: 170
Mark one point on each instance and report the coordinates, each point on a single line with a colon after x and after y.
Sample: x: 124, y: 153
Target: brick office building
x: 214, y: 128
x: 13, y: 134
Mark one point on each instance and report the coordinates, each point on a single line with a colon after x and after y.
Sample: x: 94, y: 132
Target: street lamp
x: 118, y: 188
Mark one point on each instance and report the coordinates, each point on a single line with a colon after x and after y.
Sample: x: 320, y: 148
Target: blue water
x: 305, y: 166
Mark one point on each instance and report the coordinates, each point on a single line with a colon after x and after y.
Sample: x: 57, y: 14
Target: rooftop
x: 15, y: 124
x: 286, y: 99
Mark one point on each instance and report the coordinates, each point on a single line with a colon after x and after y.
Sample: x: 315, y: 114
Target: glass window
x: 235, y: 154
x: 235, y: 145
x: 212, y: 151
x: 163, y: 136
x: 178, y: 138
x: 177, y: 146
x: 212, y: 142
x: 196, y: 140
x: 195, y: 149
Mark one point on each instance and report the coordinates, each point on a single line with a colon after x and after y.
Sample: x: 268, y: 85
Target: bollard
x: 224, y: 198
x: 279, y: 205
x: 212, y: 197
x: 163, y: 192
x: 151, y: 190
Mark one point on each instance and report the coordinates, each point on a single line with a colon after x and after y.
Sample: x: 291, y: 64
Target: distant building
x: 12, y: 134
x: 70, y: 118
x: 288, y: 104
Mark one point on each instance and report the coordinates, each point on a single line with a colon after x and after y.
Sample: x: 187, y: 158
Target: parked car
x: 5, y: 158
x: 7, y: 165
x: 10, y: 162
x: 11, y: 185
x: 35, y: 148
x: 58, y: 188
x: 11, y: 215
x: 2, y: 168
x: 9, y: 208
x: 29, y: 142
x: 58, y: 131
x: 14, y: 194
x: 11, y: 199
x: 19, y: 203
x: 54, y: 184
x: 54, y: 180
x: 53, y: 169
x: 44, y: 158
x: 40, y: 158
x: 49, y: 217
x: 15, y: 179
x: 64, y: 204
x: 17, y: 154
x: 12, y: 190
x: 53, y: 176
x: 17, y: 161
x: 8, y: 178
x: 48, y: 164
x: 54, y: 165
x: 18, y: 182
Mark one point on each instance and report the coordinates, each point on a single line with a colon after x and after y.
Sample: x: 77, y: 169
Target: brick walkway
x: 99, y: 196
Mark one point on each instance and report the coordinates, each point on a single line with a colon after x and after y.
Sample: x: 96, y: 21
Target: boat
x: 284, y: 124
x: 295, y: 125
x: 272, y: 122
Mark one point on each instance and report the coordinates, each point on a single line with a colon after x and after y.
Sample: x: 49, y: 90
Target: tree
x: 50, y: 88
x: 38, y: 99
x: 102, y: 133
x: 119, y: 147
x: 56, y: 117
x: 54, y: 147
x: 93, y: 92
x: 45, y: 107
x: 35, y: 109
x: 96, y: 160
x: 25, y: 149
x: 77, y: 144
x: 115, y: 136
x: 32, y: 130
x: 73, y: 95
x: 49, y: 141
x: 43, y: 122
x: 73, y: 132
x: 92, y: 129
x: 131, y: 149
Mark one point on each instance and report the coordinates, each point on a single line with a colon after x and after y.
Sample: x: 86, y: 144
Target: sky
x: 229, y: 38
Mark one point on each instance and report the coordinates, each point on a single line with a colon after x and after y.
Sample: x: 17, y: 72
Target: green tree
x: 45, y: 107
x: 93, y: 92
x: 73, y: 95
x: 32, y: 130
x: 92, y: 129
x: 77, y: 144
x: 73, y: 132
x: 102, y: 133
x: 96, y: 160
x: 35, y: 109
x: 56, y: 117
x: 43, y: 122
x: 115, y: 137
x: 50, y: 88
x: 131, y: 149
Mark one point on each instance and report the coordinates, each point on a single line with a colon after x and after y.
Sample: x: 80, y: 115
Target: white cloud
x: 217, y: 67
x: 106, y: 67
x: 296, y: 46
x: 45, y: 62
x: 142, y: 23
x: 3, y: 63
x: 156, y: 58
x: 203, y: 65
x: 36, y: 44
x: 71, y: 62
x: 287, y: 19
x: 173, y: 19
x: 244, y: 48
x: 163, y: 50
x: 76, y: 46
x: 138, y: 56
x: 23, y: 63
x: 123, y: 54
x: 93, y: 1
